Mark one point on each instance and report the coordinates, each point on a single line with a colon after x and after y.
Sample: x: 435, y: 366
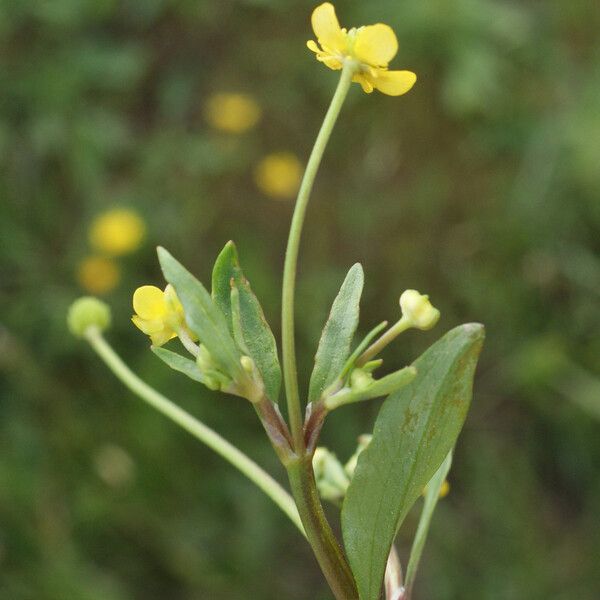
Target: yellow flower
x: 98, y: 275
x: 371, y: 48
x: 233, y: 113
x: 278, y: 175
x: 117, y: 231
x: 158, y: 314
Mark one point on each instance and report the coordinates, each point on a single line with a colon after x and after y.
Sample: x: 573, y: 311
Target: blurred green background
x: 480, y: 187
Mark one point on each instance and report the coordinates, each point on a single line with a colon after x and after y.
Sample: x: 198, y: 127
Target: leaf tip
x: 358, y: 268
x: 163, y: 253
x: 229, y: 254
x: 476, y: 331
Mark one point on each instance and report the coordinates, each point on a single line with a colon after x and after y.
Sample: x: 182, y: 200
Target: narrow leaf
x: 226, y: 267
x: 334, y: 346
x: 432, y: 495
x: 349, y: 365
x: 180, y: 363
x: 203, y: 316
x: 257, y: 335
x: 380, y: 387
x: 415, y: 430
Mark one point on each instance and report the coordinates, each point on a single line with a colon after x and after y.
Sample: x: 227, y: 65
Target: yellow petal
x: 312, y: 45
x: 172, y: 302
x: 330, y: 61
x: 375, y: 44
x: 148, y: 302
x: 394, y: 83
x: 327, y: 27
x: 162, y: 337
x: 148, y: 326
x: 366, y: 85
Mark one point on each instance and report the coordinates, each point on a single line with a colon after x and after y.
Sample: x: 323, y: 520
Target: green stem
x: 322, y: 540
x: 327, y: 550
x: 200, y: 431
x: 291, y: 258
x: 390, y: 335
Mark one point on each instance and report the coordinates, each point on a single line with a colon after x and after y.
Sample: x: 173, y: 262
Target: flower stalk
x: 290, y: 373
x: 193, y: 426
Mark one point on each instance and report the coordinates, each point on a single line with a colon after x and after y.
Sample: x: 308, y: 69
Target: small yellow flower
x: 233, y: 113
x: 371, y: 47
x: 117, y: 231
x: 158, y: 314
x: 98, y: 275
x: 278, y: 175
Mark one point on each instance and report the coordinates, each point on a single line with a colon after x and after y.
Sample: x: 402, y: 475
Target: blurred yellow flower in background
x: 278, y: 175
x: 159, y: 314
x: 372, y: 47
x: 117, y: 231
x: 445, y: 489
x: 233, y: 113
x: 98, y: 274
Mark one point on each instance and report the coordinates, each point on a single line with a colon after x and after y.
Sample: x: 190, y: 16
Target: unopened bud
x: 204, y: 359
x: 332, y: 481
x: 418, y: 311
x: 88, y: 312
x: 247, y: 364
x: 360, y: 380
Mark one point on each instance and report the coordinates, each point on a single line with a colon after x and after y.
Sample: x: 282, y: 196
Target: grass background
x: 480, y: 187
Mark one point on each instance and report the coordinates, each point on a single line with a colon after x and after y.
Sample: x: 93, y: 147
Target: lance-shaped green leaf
x: 334, y: 345
x: 372, y: 388
x: 414, y: 431
x: 180, y: 363
x: 257, y: 335
x: 203, y: 316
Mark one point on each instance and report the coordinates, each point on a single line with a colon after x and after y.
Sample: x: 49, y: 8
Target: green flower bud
x: 248, y: 365
x: 332, y: 481
x: 360, y: 380
x: 88, y: 312
x: 418, y: 311
x: 205, y: 360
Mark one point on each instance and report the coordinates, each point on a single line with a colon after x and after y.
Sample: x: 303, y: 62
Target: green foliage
x: 334, y: 345
x: 180, y: 363
x: 370, y: 387
x: 415, y: 429
x: 480, y: 188
x: 257, y: 336
x: 204, y: 318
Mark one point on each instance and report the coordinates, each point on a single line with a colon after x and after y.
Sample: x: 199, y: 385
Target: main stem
x: 198, y: 429
x: 322, y: 539
x: 327, y: 550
